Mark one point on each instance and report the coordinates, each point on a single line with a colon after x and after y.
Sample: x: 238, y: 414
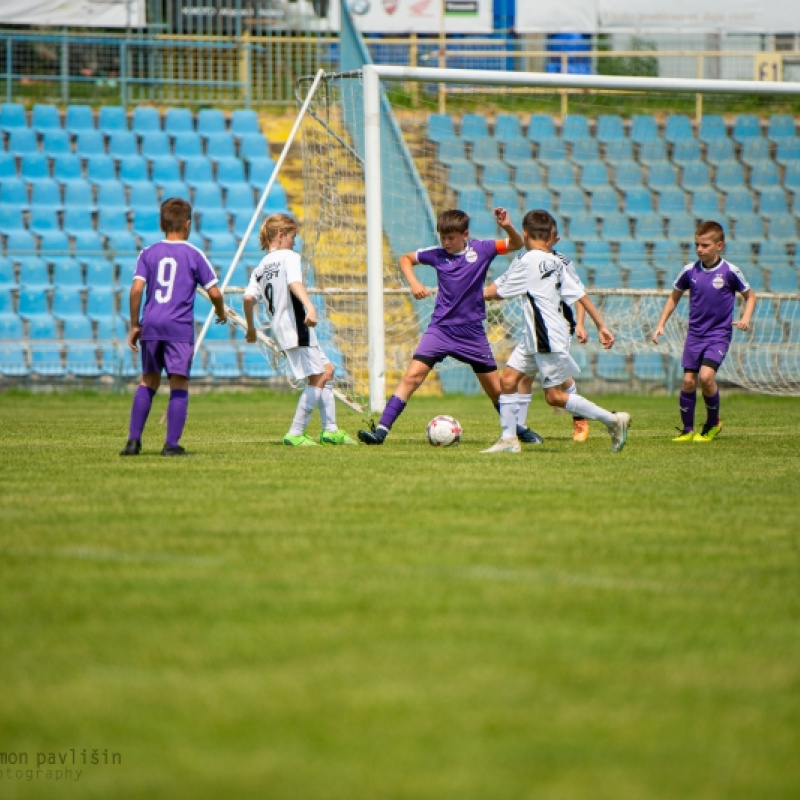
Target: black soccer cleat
x: 527, y: 436
x: 173, y: 450
x: 373, y: 436
x: 132, y: 448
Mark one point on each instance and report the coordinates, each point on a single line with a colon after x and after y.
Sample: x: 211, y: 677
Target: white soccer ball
x: 444, y: 431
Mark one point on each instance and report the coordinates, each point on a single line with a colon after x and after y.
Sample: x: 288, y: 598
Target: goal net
x: 627, y: 166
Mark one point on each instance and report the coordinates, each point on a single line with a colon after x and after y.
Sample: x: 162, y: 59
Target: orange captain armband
x: 502, y: 246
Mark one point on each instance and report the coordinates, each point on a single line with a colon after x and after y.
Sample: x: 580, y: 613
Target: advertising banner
x: 607, y: 16
x: 422, y: 16
x: 74, y: 13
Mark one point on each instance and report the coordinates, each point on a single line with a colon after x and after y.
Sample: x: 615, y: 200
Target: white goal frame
x: 373, y: 75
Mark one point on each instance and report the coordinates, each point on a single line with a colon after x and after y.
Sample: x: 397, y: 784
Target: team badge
x: 471, y: 256
x: 718, y: 282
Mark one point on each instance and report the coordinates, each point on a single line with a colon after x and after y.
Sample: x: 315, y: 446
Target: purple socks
x: 142, y: 402
x: 712, y: 409
x: 394, y: 408
x: 177, y: 411
x: 687, y: 403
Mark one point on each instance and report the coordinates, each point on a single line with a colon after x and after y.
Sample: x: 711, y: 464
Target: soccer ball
x: 444, y: 431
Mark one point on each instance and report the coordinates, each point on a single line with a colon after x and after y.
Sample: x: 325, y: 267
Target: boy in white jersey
x: 278, y: 282
x: 546, y: 284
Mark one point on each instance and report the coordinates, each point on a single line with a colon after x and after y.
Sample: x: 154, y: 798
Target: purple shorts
x: 696, y: 352
x: 174, y: 358
x: 465, y: 343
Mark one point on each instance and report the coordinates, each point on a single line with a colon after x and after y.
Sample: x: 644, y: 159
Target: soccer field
x: 401, y: 621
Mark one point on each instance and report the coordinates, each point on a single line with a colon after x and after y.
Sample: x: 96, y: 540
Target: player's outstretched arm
x: 249, y: 304
x: 490, y: 292
x: 135, y: 307
x: 299, y: 291
x: 669, y: 306
x: 749, y: 306
x: 580, y: 324
x: 504, y: 221
x: 215, y: 296
x: 406, y: 263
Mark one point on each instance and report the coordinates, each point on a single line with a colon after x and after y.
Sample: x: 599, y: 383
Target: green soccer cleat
x: 686, y: 436
x: 302, y: 440
x: 335, y: 437
x: 709, y: 433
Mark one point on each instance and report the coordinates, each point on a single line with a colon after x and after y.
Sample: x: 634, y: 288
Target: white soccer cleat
x: 510, y: 445
x: 618, y: 430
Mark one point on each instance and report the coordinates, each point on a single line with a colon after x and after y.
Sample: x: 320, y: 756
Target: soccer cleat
x: 301, y: 440
x: 504, y: 446
x: 173, y: 450
x: 132, y: 448
x: 618, y: 430
x: 335, y: 437
x: 709, y: 432
x: 374, y: 435
x: 685, y: 436
x: 580, y: 430
x: 527, y: 436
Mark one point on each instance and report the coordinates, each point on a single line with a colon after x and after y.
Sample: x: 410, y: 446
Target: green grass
x: 404, y: 621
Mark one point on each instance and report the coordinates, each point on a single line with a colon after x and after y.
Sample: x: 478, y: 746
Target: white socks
x: 308, y: 401
x: 522, y: 413
x: 509, y: 405
x: 581, y: 407
x: 327, y: 408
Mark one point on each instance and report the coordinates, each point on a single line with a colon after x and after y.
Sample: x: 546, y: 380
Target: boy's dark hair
x: 273, y: 226
x: 174, y: 214
x: 709, y: 227
x: 452, y: 221
x: 539, y: 224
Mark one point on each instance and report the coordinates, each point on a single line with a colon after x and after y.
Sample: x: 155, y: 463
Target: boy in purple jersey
x: 171, y: 270
x: 712, y: 283
x: 456, y: 327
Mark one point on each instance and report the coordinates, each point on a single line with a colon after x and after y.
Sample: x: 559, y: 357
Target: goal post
x: 370, y: 142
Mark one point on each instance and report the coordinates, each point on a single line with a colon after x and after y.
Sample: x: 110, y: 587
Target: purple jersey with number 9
x: 172, y: 271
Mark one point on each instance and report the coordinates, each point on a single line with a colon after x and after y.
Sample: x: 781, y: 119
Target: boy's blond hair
x: 273, y: 226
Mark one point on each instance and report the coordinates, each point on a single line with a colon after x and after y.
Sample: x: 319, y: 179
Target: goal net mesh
x: 627, y: 175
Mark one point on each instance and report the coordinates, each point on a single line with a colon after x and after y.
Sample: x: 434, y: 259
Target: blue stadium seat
x: 187, y: 146
x: 34, y: 167
x: 628, y: 176
x: 783, y: 279
x: 8, y: 278
x: 78, y: 118
x: 473, y: 126
x: 616, y: 228
x: 739, y: 202
x: 643, y: 128
x: 224, y: 362
x: 695, y: 175
x: 6, y: 302
x: 220, y: 146
x: 585, y: 151
x: 254, y: 365
x: 631, y: 254
x: 541, y: 126
x: 552, y: 151
x: 730, y: 176
x: 788, y: 151
x: 33, y: 301
x: 277, y: 199
x: 78, y: 194
x: 495, y: 177
x: 19, y: 244
x: 100, y: 169
x: 155, y: 144
x: 21, y: 142
x: 650, y: 228
x: 198, y: 171
x: 112, y: 119
x: 146, y: 224
x: 713, y: 129
x: 46, y: 194
x: 12, y: 117
x: 642, y: 276
x: 594, y: 175
x: 506, y: 197
x: 81, y: 361
x: 178, y: 120
x: 604, y: 201
x: 749, y: 229
x: 55, y: 143
x: 451, y: 151
x: 686, y: 151
x: 239, y: 197
x: 142, y: 194
x: 68, y: 302
x: 764, y: 175
x: 99, y: 272
x: 649, y: 368
x: 671, y: 201
x: 53, y: 243
x: 583, y: 227
x: 746, y: 126
x: 441, y: 127
x: 668, y: 255
x: 8, y: 166
x: 560, y: 174
x: 111, y: 194
x: 705, y: 203
x: 574, y: 128
x: 34, y: 276
x: 13, y: 359
x: 571, y: 201
x: 101, y: 302
x: 211, y: 121
x: 606, y: 276
x: 133, y: 170
x: 661, y: 176
x: 507, y: 128
x: 781, y: 126
x: 67, y: 168
x: 145, y: 120
x: 610, y: 128
x: 122, y: 145
x: 461, y: 175
x: 77, y: 218
x: 638, y: 202
x: 539, y: 197
x: 773, y: 201
x: 527, y: 175
x: 719, y: 152
x: 618, y: 151
x: 254, y: 147
x: 85, y: 243
x: 110, y: 328
x: 46, y: 360
x: 612, y: 367
x: 207, y: 195
x: 755, y: 150
x: 783, y: 227
x: 230, y: 172
x: 676, y: 127
x: 11, y: 219
x: 14, y: 192
x: 244, y: 121
x: 485, y: 152
x: 738, y: 253
x: 90, y: 144
x: 167, y: 170
x: 652, y: 152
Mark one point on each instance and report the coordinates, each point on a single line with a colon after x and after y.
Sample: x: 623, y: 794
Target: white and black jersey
x: 269, y: 284
x: 546, y: 284
x: 566, y: 309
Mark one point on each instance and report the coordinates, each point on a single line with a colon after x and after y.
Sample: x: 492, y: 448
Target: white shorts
x: 305, y: 361
x: 553, y: 368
